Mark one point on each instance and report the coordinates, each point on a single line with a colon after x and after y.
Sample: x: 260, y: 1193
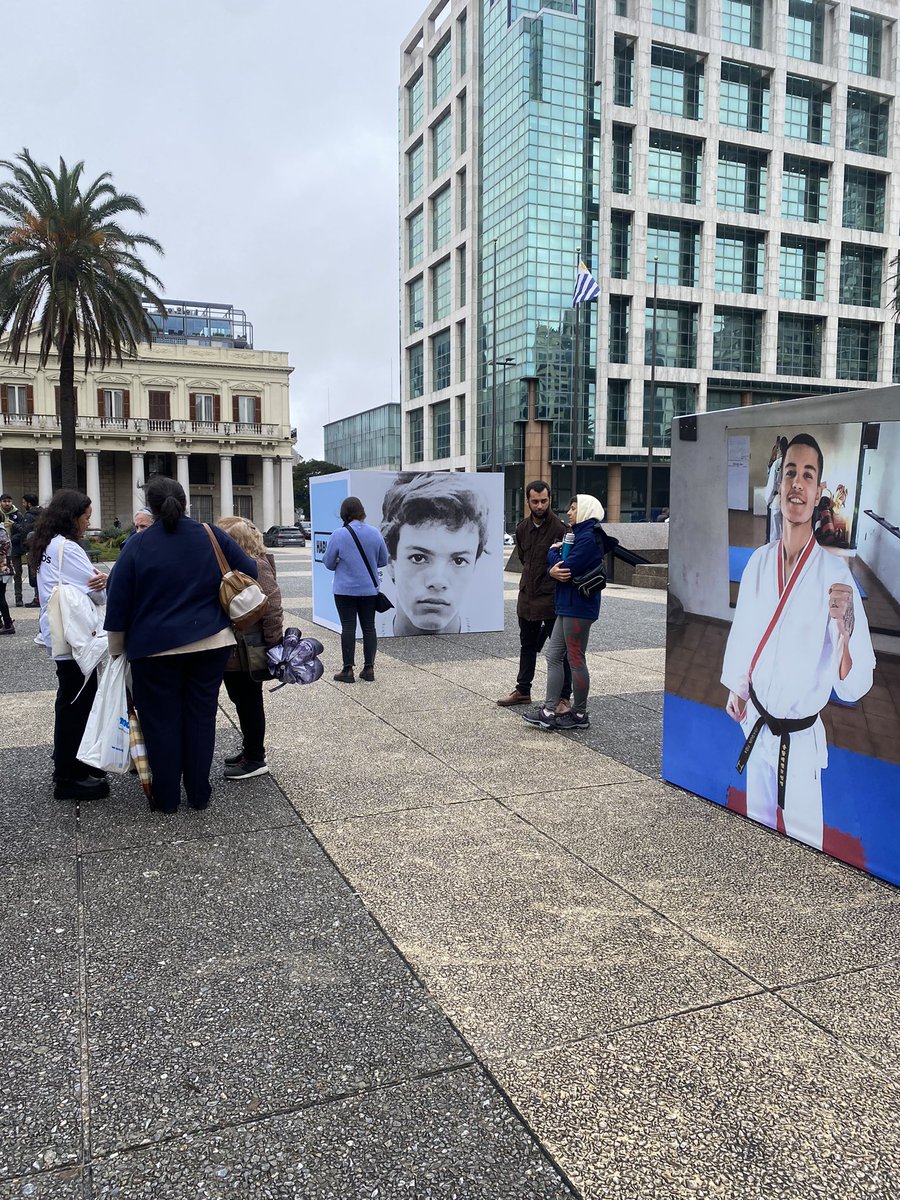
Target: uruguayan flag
x: 586, y: 286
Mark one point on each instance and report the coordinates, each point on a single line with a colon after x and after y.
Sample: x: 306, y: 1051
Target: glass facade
x: 415, y: 102
x: 415, y: 370
x: 441, y: 219
x: 676, y: 82
x: 620, y: 247
x: 673, y: 249
x: 415, y: 166
x: 441, y: 71
x: 674, y: 167
x: 742, y: 22
x: 622, y: 143
x: 861, y: 273
x: 440, y: 290
x: 415, y: 296
x: 742, y: 178
x: 740, y: 260
x: 865, y: 43
x: 802, y: 269
x: 616, y: 412
x: 674, y: 344
x: 806, y: 29
x: 441, y: 146
x: 800, y: 345
x: 804, y: 189
x: 868, y: 118
x: 623, y: 61
x: 367, y: 441
x: 669, y: 400
x: 619, y: 323
x: 807, y: 110
x: 415, y: 238
x: 440, y: 430
x: 675, y: 14
x: 415, y: 430
x: 441, y: 361
x: 744, y: 97
x: 865, y: 193
x: 858, y: 348
x: 737, y: 338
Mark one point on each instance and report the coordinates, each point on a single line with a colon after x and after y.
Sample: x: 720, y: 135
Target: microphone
x: 567, y: 543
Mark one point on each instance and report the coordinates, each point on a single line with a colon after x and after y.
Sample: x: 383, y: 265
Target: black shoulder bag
x: 593, y: 580
x: 382, y: 604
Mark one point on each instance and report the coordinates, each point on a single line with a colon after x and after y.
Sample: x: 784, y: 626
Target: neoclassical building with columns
x: 200, y: 404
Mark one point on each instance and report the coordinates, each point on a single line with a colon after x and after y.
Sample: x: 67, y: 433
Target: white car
x: 508, y: 539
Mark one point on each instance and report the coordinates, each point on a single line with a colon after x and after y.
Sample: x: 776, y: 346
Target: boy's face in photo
x: 801, y: 489
x: 432, y: 570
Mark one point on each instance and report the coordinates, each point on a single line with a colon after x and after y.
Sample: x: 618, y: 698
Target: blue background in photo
x: 325, y: 499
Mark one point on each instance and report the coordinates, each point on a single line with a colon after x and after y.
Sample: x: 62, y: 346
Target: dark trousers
x: 349, y: 608
x: 74, y: 697
x: 17, y: 579
x: 176, y: 697
x: 4, y: 607
x: 246, y: 695
x: 532, y: 636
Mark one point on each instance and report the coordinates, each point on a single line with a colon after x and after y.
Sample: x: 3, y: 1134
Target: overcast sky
x: 261, y: 137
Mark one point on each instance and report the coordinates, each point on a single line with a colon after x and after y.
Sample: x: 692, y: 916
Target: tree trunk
x: 67, y: 409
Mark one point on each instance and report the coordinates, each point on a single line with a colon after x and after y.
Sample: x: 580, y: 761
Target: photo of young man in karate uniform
x: 799, y: 633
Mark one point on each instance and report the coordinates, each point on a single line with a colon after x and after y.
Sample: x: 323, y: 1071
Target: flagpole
x: 649, y: 503
x: 576, y: 388
x: 494, y: 367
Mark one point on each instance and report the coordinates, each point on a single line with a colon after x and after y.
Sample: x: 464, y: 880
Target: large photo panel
x: 783, y: 646
x: 444, y: 534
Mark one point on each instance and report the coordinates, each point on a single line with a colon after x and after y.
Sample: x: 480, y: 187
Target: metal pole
x: 507, y: 362
x: 494, y: 367
x: 576, y: 388
x: 649, y: 503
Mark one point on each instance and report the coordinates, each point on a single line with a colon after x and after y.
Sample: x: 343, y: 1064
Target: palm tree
x: 69, y: 271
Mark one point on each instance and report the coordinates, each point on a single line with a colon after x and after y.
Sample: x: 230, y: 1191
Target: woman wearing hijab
x: 575, y: 614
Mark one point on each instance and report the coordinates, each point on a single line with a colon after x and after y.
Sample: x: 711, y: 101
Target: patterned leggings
x: 569, y: 638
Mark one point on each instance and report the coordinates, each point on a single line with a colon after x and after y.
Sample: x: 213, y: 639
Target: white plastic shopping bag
x: 105, y: 744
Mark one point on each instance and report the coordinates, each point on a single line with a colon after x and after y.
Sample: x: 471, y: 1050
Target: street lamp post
x: 494, y: 365
x: 509, y: 361
x: 649, y: 503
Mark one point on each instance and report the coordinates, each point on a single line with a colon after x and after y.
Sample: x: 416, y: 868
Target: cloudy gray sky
x: 262, y: 138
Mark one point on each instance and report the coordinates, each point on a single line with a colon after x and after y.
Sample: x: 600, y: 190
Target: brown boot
x: 367, y: 674
x: 345, y: 676
x: 515, y: 697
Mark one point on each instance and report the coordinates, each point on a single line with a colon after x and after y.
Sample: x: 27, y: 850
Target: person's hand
x: 840, y: 608
x: 556, y: 546
x: 97, y: 582
x: 561, y: 573
x: 736, y: 707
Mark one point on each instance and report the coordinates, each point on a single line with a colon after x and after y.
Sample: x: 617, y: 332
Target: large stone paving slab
x: 48, y: 1185
x: 32, y: 824
x: 447, y: 1138
x: 745, y: 1100
x: 232, y: 977
x: 522, y: 945
x: 778, y: 910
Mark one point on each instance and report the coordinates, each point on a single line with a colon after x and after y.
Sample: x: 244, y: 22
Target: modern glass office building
x: 725, y: 169
x: 368, y: 440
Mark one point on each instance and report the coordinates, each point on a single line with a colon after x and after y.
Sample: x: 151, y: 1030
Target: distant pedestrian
x: 355, y: 591
x: 12, y: 519
x: 5, y: 575
x: 31, y: 510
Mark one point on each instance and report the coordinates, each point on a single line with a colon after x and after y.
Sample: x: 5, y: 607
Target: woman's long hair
x: 166, y: 500
x: 61, y: 515
x: 245, y: 534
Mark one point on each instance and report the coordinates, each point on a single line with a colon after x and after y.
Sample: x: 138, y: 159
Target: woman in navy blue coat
x: 163, y: 611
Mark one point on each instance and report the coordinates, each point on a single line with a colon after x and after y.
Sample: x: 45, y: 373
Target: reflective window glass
x: 858, y: 347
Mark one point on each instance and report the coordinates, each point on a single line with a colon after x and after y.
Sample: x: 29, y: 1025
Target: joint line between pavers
x: 84, y: 1064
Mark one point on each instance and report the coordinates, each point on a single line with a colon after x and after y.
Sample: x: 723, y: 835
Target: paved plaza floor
x: 436, y: 953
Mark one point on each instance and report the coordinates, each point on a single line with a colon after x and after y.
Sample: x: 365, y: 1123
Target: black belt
x: 782, y: 729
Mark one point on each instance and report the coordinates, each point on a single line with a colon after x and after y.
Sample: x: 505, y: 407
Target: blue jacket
x: 341, y: 556
x: 584, y: 555
x: 164, y: 589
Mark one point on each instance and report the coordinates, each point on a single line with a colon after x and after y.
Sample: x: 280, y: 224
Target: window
x: 864, y: 49
x: 620, y: 7
x: 440, y: 429
x: 441, y: 146
x: 742, y: 22
x: 620, y: 244
x: 243, y: 505
x: 619, y: 322
x: 415, y: 434
x: 461, y: 422
x: 441, y: 71
x: 415, y: 102
x: 742, y: 179
x: 864, y: 199
x: 676, y: 82
x: 461, y: 214
x: 807, y: 110
x: 674, y: 167
x: 440, y: 361
x: 246, y: 411
x: 415, y: 359
x: 744, y: 97
x: 673, y: 249
x: 415, y: 238
x: 461, y: 284
x: 415, y: 162
x: 675, y: 14
x: 415, y: 297
x: 622, y: 137
x: 800, y: 345
x: 804, y: 189
x: 440, y: 290
x: 669, y: 400
x: 113, y: 405
x: 204, y: 406
x: 737, y: 337
x: 616, y: 412
x: 740, y: 260
x: 802, y: 272
x: 896, y: 375
x: 462, y: 124
x: 461, y: 350
x: 858, y: 346
x: 867, y: 122
x: 16, y: 399
x: 623, y: 59
x: 861, y: 273
x: 159, y: 409
x: 441, y: 214
x: 806, y: 29
x: 462, y: 64
x: 676, y: 335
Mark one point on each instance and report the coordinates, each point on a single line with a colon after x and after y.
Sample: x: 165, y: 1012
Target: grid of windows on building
x: 441, y: 71
x: 619, y: 322
x: 440, y: 291
x: 668, y: 400
x: 676, y: 82
x: 865, y: 193
x: 804, y: 189
x: 616, y: 412
x: 673, y: 251
x: 861, y: 274
x: 415, y: 426
x: 415, y: 367
x: 620, y: 244
x: 415, y: 102
x: 674, y: 167
x: 670, y: 341
x: 441, y: 146
x: 858, y: 347
x: 742, y: 22
x: 675, y: 14
x: 415, y: 238
x: 742, y: 179
x: 440, y: 429
x: 440, y: 218
x: 802, y: 269
x: 415, y: 292
x: 806, y: 29
x: 864, y: 46
x: 744, y: 97
x: 807, y: 110
x: 868, y: 118
x: 440, y: 361
x: 737, y: 339
x: 622, y: 140
x: 623, y: 62
x: 740, y: 260
x: 799, y: 350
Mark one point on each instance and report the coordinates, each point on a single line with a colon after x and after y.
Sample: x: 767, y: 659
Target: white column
x: 268, y: 499
x: 287, y: 491
x: 137, y: 482
x: 45, y: 478
x: 226, y: 494
x: 182, y: 474
x: 2, y: 489
x: 92, y: 477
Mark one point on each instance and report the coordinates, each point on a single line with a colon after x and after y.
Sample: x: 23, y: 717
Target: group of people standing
x: 16, y: 526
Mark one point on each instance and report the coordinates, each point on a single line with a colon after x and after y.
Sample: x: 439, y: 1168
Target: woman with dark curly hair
x: 55, y: 556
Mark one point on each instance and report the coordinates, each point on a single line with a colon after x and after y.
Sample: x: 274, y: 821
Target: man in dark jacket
x: 14, y: 520
x: 535, y: 607
x: 31, y: 511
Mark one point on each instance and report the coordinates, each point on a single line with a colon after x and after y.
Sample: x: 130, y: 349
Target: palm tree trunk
x: 67, y: 409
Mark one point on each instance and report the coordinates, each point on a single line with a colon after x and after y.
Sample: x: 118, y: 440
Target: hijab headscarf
x: 587, y: 507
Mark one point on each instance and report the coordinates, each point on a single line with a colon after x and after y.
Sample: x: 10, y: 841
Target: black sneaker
x: 247, y: 768
x: 542, y: 717
x: 233, y: 759
x: 573, y: 720
x: 82, y: 789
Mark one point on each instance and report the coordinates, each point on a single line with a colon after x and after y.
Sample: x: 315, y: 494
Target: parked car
x: 508, y: 539
x: 284, y: 535
x: 306, y: 528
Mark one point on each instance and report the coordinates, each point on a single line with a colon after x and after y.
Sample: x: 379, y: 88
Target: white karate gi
x: 773, y: 500
x: 793, y: 679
